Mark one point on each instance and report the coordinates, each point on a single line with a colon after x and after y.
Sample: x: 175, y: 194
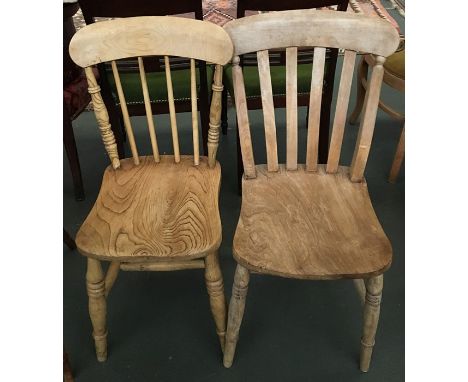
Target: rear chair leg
x: 374, y: 286
x: 97, y: 307
x: 236, y: 312
x: 215, y: 287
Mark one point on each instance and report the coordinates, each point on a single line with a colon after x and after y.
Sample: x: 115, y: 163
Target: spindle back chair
x: 154, y: 66
x: 309, y: 221
x: 157, y: 212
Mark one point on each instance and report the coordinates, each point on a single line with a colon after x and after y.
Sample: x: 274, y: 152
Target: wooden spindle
x: 339, y: 122
x: 263, y: 60
x: 366, y: 128
x: 170, y: 97
x: 148, y: 109
x: 398, y: 159
x: 125, y: 115
x: 102, y: 118
x: 193, y: 93
x: 243, y: 120
x: 215, y: 115
x: 291, y: 108
x: 315, y: 102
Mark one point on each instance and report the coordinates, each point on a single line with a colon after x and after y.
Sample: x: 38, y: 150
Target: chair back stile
x: 139, y: 37
x: 318, y: 29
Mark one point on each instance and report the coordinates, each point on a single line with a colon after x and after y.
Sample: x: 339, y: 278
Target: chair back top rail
x: 320, y: 30
x: 309, y: 27
x: 150, y: 36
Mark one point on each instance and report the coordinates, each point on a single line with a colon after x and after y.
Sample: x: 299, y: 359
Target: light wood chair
x: 158, y: 212
x: 309, y: 221
x: 394, y: 76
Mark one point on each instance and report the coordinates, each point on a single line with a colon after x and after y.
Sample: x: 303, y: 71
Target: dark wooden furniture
x: 153, y: 65
x: 278, y: 59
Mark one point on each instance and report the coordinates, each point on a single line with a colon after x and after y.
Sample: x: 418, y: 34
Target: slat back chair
x: 129, y: 68
x: 277, y: 61
x: 158, y: 212
x: 309, y: 221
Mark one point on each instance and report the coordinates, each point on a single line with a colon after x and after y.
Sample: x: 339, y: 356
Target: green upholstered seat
x: 395, y: 64
x: 157, y: 86
x: 278, y: 79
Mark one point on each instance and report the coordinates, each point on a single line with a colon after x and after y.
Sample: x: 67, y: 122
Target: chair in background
x: 394, y: 76
x: 278, y: 71
x: 309, y: 221
x: 158, y: 212
x: 154, y: 66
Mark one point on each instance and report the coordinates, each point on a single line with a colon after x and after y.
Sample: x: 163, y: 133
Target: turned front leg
x: 374, y: 287
x: 236, y: 312
x: 215, y: 287
x: 97, y: 307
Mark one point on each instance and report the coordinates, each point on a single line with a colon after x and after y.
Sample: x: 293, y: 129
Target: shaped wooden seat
x: 309, y: 225
x: 309, y: 221
x: 154, y: 210
x: 158, y: 212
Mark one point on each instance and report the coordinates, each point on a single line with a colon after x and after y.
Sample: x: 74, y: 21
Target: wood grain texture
x: 150, y: 36
x: 243, y: 120
x: 102, y: 117
x: 163, y: 266
x: 315, y: 103
x: 374, y: 286
x: 342, y: 103
x: 268, y: 109
x: 236, y: 313
x: 291, y: 108
x: 148, y: 110
x: 125, y: 115
x: 308, y: 27
x: 154, y: 210
x: 366, y: 128
x: 309, y: 225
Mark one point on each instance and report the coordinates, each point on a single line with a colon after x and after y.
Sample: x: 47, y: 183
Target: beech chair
x: 394, y: 76
x: 157, y: 212
x: 154, y: 66
x: 309, y: 221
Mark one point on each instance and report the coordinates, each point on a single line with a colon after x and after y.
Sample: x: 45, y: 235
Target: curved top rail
x: 150, y: 36
x: 310, y: 27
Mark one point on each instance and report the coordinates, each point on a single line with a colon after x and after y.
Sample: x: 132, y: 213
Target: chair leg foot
x: 374, y: 286
x: 97, y: 307
x: 215, y: 287
x: 236, y: 313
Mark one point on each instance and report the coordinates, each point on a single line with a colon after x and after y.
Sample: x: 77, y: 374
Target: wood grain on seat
x: 154, y: 210
x: 309, y: 225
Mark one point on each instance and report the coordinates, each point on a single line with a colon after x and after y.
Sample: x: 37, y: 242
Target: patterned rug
x: 221, y: 11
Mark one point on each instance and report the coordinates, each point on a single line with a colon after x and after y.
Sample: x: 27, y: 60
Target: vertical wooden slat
x: 170, y: 97
x: 126, y: 117
x: 339, y: 122
x: 193, y: 94
x: 268, y: 110
x: 366, y: 128
x: 215, y: 115
x: 315, y: 102
x: 243, y: 120
x: 148, y: 109
x: 102, y: 118
x: 291, y: 108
